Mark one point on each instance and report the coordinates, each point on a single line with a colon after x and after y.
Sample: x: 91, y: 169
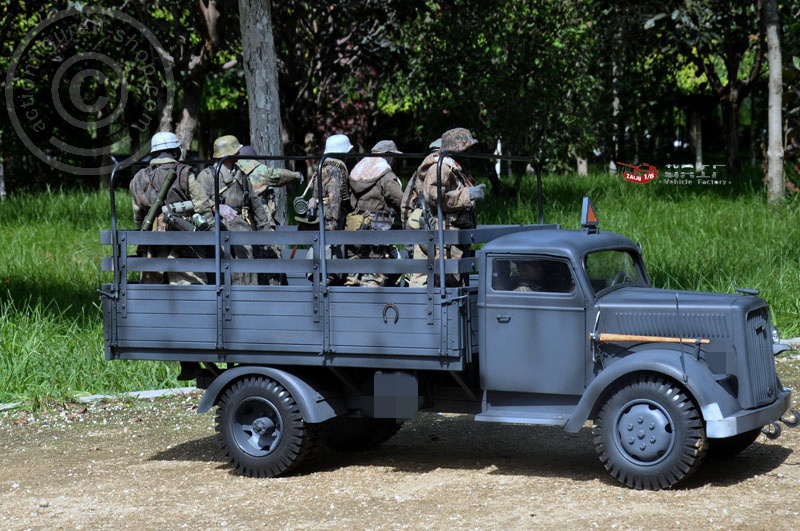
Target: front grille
x: 759, y: 360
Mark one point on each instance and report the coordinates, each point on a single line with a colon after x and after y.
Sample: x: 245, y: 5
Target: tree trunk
x: 583, y: 166
x: 696, y: 134
x: 2, y: 180
x: 730, y: 112
x: 261, y: 74
x: 191, y: 108
x: 774, y: 117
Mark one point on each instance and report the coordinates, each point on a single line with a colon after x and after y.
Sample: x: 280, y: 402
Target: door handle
x: 503, y: 318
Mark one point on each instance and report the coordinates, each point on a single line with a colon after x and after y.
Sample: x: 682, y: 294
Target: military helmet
x: 225, y: 146
x: 458, y: 139
x: 338, y: 144
x: 386, y: 146
x: 164, y: 141
x: 247, y: 151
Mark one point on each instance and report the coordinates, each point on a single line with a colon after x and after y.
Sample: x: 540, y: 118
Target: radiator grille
x: 759, y: 360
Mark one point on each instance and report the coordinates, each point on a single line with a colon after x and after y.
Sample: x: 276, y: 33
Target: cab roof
x: 558, y: 242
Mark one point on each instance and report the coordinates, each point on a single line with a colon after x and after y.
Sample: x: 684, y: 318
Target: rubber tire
x: 731, y: 446
x: 669, y: 445
x: 286, y: 440
x: 357, y: 434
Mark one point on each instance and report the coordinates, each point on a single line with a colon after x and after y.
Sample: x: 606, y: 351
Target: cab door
x: 533, y: 334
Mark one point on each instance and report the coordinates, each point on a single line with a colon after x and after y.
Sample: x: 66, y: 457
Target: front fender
x: 317, y: 402
x: 714, y: 401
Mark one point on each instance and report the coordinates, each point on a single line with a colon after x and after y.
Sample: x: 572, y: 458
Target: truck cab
x: 665, y: 376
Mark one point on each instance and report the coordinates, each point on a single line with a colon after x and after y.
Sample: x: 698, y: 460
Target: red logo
x: 641, y: 174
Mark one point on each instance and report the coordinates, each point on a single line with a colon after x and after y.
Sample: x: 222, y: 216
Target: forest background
x: 572, y: 83
x: 577, y: 86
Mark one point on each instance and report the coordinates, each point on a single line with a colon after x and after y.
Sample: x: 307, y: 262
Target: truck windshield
x: 607, y: 269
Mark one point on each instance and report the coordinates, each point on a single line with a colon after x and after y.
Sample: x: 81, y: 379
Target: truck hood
x: 672, y: 313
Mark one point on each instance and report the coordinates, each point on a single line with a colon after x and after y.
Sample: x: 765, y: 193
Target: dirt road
x: 154, y: 464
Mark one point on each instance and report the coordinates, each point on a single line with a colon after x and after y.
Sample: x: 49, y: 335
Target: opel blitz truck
x: 662, y: 377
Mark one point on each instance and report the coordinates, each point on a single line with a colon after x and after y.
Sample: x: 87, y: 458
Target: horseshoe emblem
x: 394, y: 309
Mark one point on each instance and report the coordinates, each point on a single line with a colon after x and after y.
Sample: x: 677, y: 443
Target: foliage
x: 716, y: 33
x: 524, y: 72
x: 333, y: 57
x: 790, y: 17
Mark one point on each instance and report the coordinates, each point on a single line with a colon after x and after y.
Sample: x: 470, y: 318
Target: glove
x: 298, y: 176
x: 227, y: 213
x: 312, y: 204
x: 476, y: 192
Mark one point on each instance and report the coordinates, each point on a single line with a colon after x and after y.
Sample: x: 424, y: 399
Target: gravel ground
x: 154, y: 464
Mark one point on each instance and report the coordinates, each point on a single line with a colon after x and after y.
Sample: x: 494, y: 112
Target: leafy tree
x: 702, y: 31
x: 333, y: 57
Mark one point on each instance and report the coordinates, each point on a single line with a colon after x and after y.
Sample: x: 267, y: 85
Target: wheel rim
x: 644, y: 432
x: 257, y: 427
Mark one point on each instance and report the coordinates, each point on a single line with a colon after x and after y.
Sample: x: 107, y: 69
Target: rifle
x: 162, y: 194
x: 152, y: 277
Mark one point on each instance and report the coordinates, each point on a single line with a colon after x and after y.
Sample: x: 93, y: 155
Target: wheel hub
x: 263, y: 425
x: 644, y: 432
x: 257, y: 428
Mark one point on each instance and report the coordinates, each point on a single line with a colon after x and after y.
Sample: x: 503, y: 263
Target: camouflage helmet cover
x: 225, y: 146
x: 458, y: 139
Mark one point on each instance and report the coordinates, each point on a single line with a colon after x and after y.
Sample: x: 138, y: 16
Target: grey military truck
x: 662, y: 377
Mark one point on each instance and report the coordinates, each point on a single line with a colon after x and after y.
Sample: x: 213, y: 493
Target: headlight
x: 776, y: 336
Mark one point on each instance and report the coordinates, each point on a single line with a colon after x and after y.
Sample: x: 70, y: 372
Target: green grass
x: 51, y: 338
x: 51, y: 333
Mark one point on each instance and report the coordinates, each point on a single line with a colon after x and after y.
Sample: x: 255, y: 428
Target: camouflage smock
x: 375, y: 188
x: 147, y: 182
x: 236, y: 192
x: 335, y: 191
x: 261, y: 176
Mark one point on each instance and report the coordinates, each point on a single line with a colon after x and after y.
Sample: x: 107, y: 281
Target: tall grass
x: 51, y: 335
x: 51, y: 340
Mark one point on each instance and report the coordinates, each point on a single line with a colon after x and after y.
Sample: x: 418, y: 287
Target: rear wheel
x: 356, y: 434
x: 261, y: 430
x: 649, y: 434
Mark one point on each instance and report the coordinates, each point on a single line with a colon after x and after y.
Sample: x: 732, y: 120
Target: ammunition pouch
x: 357, y: 221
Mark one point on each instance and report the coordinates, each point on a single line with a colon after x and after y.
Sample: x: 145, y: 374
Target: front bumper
x: 746, y: 419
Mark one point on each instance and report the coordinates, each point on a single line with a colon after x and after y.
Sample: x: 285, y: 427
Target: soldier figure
x: 263, y: 181
x: 336, y: 194
x: 145, y: 186
x: 458, y: 195
x: 240, y: 208
x: 335, y: 202
x: 376, y: 194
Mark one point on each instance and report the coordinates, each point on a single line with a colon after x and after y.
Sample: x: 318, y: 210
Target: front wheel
x: 261, y: 430
x: 649, y: 434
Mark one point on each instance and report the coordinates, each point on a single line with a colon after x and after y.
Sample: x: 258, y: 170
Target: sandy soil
x: 154, y: 464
